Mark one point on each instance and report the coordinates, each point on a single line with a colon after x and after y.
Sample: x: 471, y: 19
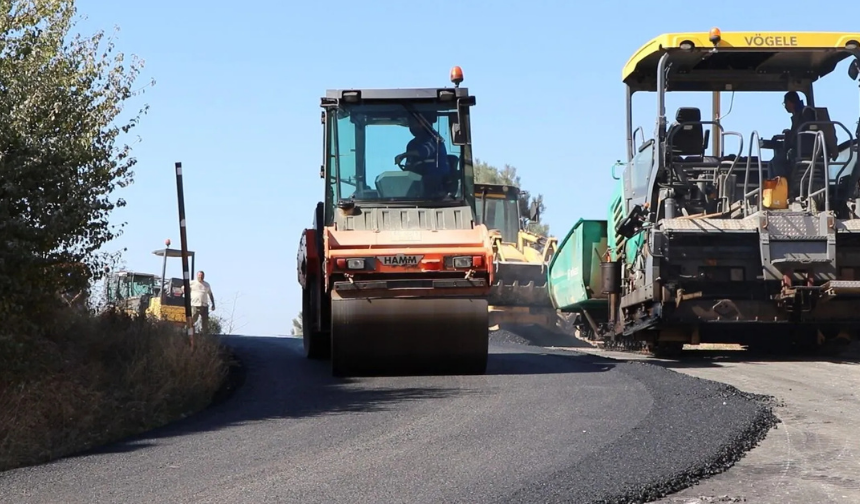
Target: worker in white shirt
x: 201, y: 294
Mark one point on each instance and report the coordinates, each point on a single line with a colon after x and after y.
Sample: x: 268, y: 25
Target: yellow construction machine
x: 168, y: 302
x: 518, y: 296
x: 145, y: 294
x: 129, y: 291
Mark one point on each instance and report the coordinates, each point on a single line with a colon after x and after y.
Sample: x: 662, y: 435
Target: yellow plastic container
x: 775, y: 193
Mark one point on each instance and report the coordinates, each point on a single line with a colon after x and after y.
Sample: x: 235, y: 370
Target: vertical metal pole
x: 660, y: 133
x: 183, y: 240
x: 716, y: 141
x: 628, y: 104
x: 164, y: 274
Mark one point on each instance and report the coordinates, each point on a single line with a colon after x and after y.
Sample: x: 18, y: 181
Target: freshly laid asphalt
x: 541, y: 426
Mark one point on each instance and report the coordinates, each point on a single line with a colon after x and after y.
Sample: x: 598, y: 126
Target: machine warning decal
x: 400, y: 260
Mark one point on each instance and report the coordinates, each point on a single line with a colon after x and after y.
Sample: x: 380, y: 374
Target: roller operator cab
x: 395, y: 272
x: 757, y: 244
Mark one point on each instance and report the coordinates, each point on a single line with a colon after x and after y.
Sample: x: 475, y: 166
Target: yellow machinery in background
x: 130, y: 291
x: 518, y: 296
x: 145, y: 294
x: 168, y: 301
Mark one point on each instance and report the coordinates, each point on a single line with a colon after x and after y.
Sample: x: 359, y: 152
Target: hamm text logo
x: 400, y: 260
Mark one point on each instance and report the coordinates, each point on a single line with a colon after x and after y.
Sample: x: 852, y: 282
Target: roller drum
x: 409, y: 336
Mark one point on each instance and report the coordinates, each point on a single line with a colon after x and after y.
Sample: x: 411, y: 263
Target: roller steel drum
x: 428, y: 336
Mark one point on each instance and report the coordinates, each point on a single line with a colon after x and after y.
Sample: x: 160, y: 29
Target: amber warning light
x: 714, y: 36
x: 456, y: 75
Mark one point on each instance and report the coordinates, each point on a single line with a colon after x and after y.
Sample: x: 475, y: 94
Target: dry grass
x: 89, y: 380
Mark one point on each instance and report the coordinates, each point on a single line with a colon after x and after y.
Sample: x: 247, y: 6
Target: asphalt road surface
x: 541, y: 426
x: 814, y: 453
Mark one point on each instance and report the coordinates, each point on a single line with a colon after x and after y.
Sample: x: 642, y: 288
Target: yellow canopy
x: 743, y: 61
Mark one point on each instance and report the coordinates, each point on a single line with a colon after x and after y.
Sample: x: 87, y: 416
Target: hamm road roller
x: 395, y: 272
x: 756, y: 245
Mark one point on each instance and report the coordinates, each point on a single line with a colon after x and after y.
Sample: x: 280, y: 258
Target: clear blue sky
x: 237, y: 102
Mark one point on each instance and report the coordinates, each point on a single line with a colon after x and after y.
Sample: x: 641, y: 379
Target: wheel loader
x: 395, y: 272
x: 518, y: 296
x: 758, y: 245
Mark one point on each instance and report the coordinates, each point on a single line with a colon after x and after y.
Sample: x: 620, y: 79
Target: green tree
x: 488, y: 174
x: 60, y: 96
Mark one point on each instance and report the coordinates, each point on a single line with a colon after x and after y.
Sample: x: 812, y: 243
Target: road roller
x: 395, y: 271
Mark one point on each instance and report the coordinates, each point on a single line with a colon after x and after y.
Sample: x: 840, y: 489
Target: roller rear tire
x: 317, y: 344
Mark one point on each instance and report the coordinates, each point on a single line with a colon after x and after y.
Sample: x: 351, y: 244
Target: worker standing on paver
x: 201, y: 294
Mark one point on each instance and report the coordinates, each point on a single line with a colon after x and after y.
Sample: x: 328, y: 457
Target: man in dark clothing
x: 425, y: 154
x: 784, y: 155
x: 799, y: 115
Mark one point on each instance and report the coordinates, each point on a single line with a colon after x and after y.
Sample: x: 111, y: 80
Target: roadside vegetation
x: 488, y: 174
x: 89, y: 380
x: 74, y: 375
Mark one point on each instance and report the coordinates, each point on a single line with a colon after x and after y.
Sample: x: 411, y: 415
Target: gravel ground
x: 502, y: 336
x: 535, y: 336
x: 541, y: 426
